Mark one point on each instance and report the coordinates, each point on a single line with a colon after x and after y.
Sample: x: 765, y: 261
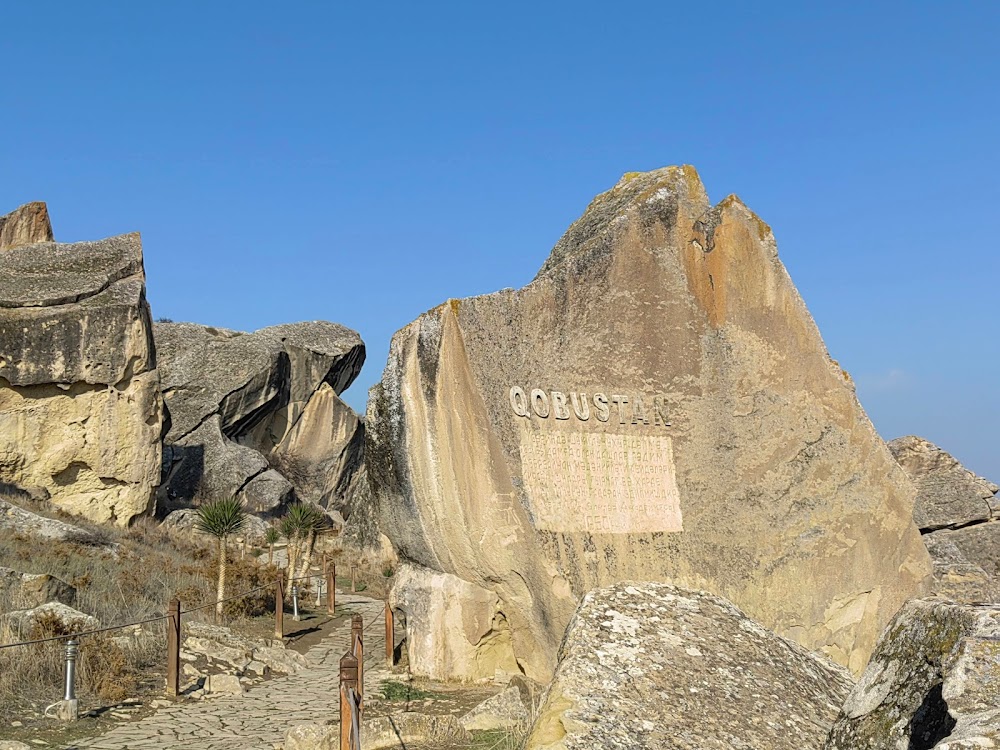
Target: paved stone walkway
x: 260, y: 717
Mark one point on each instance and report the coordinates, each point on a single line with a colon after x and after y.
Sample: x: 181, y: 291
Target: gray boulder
x: 957, y: 512
x: 22, y: 621
x: 647, y: 665
x: 80, y: 406
x: 25, y: 226
x: 17, y: 520
x: 26, y: 590
x: 931, y: 682
x: 241, y: 404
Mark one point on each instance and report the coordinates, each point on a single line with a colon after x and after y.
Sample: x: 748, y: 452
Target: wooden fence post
x: 173, y: 647
x: 279, y: 605
x: 358, y: 648
x: 390, y: 635
x: 348, y: 681
x: 354, y: 579
x: 331, y: 590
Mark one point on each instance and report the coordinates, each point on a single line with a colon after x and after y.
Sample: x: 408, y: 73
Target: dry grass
x: 129, y: 576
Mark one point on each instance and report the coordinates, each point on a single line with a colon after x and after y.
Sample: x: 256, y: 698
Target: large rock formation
x: 25, y: 226
x: 932, y: 683
x: 656, y: 405
x: 80, y: 408
x: 957, y: 513
x: 650, y: 665
x: 242, y: 405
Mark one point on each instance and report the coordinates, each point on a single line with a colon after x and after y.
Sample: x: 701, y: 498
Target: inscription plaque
x: 604, y: 483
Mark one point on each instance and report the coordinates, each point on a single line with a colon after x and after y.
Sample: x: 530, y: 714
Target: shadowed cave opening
x: 931, y: 722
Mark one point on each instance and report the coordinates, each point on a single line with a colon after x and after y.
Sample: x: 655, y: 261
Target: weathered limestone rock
x: 19, y: 521
x: 651, y: 665
x: 245, y: 404
x: 957, y: 513
x: 401, y: 730
x: 455, y: 629
x: 932, y: 682
x: 223, y: 684
x: 239, y: 651
x: 22, y: 621
x: 656, y: 405
x: 25, y: 226
x: 27, y: 590
x: 80, y: 407
x: 505, y: 710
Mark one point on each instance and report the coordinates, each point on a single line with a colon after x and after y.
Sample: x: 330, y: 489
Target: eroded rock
x: 240, y: 652
x: 505, y: 710
x: 80, y: 407
x: 657, y: 404
x: 27, y: 590
x: 23, y: 621
x: 957, y: 512
x: 652, y: 665
x: 931, y: 682
x: 250, y: 411
x: 25, y: 226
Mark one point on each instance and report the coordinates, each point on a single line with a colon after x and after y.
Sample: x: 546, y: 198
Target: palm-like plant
x: 299, y: 525
x: 221, y: 518
x: 271, y: 537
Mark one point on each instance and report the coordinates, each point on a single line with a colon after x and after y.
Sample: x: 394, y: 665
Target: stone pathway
x: 260, y: 717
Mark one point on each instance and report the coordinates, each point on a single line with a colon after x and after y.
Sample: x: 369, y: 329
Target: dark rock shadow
x: 931, y: 722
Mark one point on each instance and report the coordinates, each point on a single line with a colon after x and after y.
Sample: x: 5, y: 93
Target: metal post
x: 348, y: 683
x: 331, y: 590
x: 390, y: 641
x: 295, y: 603
x: 69, y: 708
x: 279, y: 606
x: 358, y: 646
x: 173, y: 647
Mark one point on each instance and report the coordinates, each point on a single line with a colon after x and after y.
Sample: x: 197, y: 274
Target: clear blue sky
x: 363, y: 162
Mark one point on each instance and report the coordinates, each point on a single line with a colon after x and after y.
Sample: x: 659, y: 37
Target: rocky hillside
x: 80, y: 406
x: 957, y: 513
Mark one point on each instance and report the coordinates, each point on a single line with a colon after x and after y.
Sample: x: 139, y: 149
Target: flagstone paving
x: 260, y: 717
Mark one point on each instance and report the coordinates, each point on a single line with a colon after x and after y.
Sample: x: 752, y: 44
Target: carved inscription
x: 604, y: 483
x: 617, y: 408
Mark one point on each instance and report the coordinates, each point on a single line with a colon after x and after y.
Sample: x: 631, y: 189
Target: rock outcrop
x: 651, y: 665
x: 26, y: 590
x: 931, y: 682
x: 957, y: 513
x: 657, y: 404
x: 25, y: 226
x: 257, y: 415
x: 80, y: 407
x: 17, y: 520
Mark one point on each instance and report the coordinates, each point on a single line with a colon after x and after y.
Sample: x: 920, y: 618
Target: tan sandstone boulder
x: 26, y: 225
x: 649, y: 665
x: 656, y: 405
x: 80, y: 406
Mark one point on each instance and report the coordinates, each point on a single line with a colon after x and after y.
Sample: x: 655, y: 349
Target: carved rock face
x: 656, y: 405
x: 80, y: 407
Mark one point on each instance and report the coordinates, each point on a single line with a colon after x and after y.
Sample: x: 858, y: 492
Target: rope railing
x: 172, y: 618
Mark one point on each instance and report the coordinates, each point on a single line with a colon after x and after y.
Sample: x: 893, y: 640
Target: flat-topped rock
x: 25, y: 226
x: 657, y: 404
x: 80, y: 407
x: 647, y: 665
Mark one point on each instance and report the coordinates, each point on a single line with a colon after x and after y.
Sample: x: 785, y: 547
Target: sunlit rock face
x: 647, y: 665
x: 657, y: 404
x: 958, y: 514
x: 80, y: 407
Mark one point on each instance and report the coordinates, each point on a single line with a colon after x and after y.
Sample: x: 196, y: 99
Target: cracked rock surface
x: 80, y: 406
x: 240, y: 403
x: 931, y: 683
x: 958, y: 513
x: 648, y: 665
